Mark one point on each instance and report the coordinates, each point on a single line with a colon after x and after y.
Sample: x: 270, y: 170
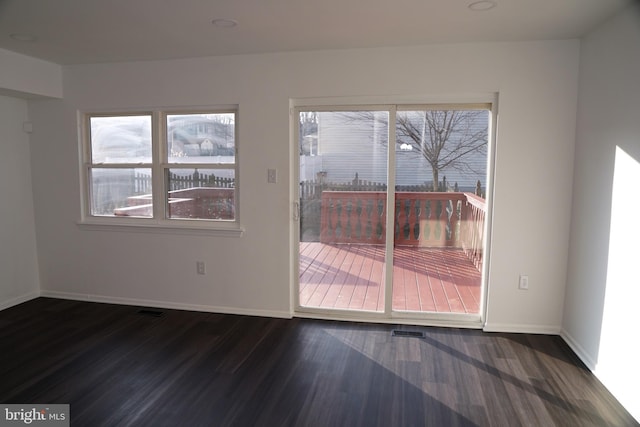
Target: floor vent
x: 151, y: 313
x: 409, y: 334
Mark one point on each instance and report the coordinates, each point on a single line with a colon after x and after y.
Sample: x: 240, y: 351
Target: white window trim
x: 159, y: 223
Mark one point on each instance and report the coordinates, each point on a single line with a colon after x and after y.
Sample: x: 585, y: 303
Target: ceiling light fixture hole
x: 23, y: 37
x: 224, y: 23
x: 482, y: 5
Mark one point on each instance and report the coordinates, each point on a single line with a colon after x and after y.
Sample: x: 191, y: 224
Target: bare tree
x: 444, y: 138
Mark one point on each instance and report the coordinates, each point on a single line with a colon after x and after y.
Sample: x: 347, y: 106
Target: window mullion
x: 158, y: 169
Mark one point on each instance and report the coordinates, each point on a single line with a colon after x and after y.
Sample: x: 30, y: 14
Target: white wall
x: 18, y: 261
x: 27, y: 77
x: 602, y: 283
x: 537, y: 85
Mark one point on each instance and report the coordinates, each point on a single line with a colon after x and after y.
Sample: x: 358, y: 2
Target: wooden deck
x: 350, y: 276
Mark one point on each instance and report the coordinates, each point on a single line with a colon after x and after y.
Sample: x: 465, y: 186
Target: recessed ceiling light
x: 482, y: 5
x: 224, y: 23
x: 23, y: 37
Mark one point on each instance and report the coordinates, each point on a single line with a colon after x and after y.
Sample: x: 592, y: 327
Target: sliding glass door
x: 392, y: 218
x: 342, y: 196
x: 440, y: 184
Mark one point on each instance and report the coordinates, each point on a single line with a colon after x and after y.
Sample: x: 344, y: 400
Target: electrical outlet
x: 200, y: 267
x: 523, y: 283
x: 272, y: 176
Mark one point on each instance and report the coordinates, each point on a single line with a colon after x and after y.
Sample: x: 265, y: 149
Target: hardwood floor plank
x: 116, y: 367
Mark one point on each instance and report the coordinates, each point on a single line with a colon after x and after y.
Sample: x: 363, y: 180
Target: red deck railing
x: 433, y: 219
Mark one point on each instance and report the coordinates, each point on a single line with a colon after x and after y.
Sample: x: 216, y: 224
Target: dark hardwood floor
x: 118, y: 367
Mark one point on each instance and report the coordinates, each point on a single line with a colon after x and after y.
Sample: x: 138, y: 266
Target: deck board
x: 351, y: 276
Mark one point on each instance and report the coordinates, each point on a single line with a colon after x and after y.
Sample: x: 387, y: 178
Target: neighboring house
x: 344, y: 147
x: 198, y: 135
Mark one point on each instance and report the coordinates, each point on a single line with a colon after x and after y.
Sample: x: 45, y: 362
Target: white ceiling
x: 90, y: 31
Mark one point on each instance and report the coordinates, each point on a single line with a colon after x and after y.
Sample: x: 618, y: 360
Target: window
x: 163, y: 167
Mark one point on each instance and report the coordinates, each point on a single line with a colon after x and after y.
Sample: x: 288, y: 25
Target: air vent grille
x: 408, y: 334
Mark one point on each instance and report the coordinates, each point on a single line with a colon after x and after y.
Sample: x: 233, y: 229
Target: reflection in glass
x: 123, y: 139
x: 201, y: 138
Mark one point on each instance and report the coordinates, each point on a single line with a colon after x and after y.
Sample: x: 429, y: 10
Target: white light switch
x: 200, y: 267
x: 523, y: 282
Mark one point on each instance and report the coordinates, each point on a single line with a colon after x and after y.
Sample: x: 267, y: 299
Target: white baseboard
x: 522, y: 328
x: 578, y: 350
x: 19, y: 300
x: 165, y: 304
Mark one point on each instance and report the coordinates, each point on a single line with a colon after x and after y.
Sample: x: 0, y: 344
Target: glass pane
x: 122, y: 139
x: 121, y: 192
x: 343, y: 182
x: 201, y: 193
x: 442, y: 150
x: 441, y: 177
x: 201, y: 138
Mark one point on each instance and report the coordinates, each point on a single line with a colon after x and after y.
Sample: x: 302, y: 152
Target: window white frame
x: 160, y: 166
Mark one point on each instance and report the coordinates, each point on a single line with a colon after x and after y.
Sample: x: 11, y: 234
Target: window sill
x: 161, y: 227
